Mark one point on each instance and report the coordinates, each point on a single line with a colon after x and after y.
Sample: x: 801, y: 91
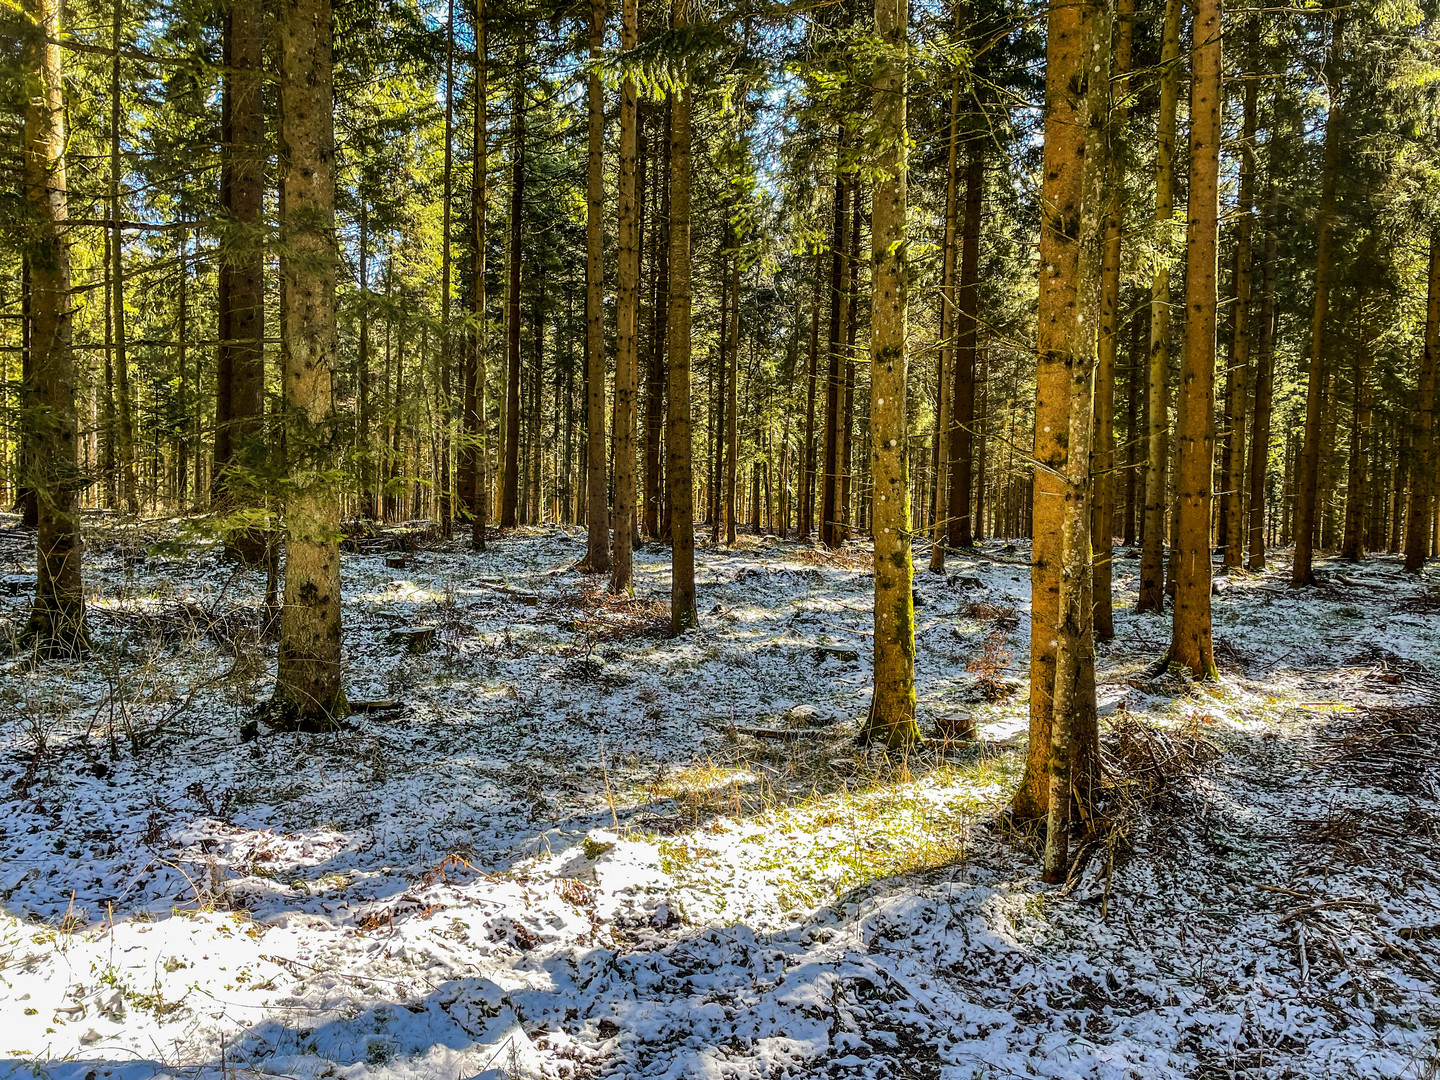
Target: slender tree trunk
x: 660, y: 302
x: 117, y: 281
x: 732, y: 426
x: 1357, y: 487
x: 57, y: 618
x: 1422, y: 449
x: 308, y: 678
x: 1132, y: 421
x: 1264, y: 374
x: 982, y: 414
x: 597, y: 518
x: 852, y: 331
x: 1102, y: 532
x: 967, y: 310
x: 1303, y: 572
x: 715, y: 435
x: 945, y: 425
x: 1190, y: 641
x: 1152, y: 555
x: 892, y: 720
x: 240, y: 361
x: 627, y: 301
x: 510, y: 485
x: 364, y: 456
x: 447, y: 408
x: 478, y: 450
x: 683, y: 614
x: 1064, y: 758
x: 830, y: 487
x: 807, y: 487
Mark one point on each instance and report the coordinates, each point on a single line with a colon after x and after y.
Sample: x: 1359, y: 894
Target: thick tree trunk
x: 1102, y: 462
x: 1190, y: 639
x: 1152, y: 555
x: 57, y: 618
x: 308, y: 677
x: 510, y: 484
x: 627, y: 302
x: 1232, y: 499
x: 478, y: 450
x: 1422, y: 434
x: 892, y: 720
x: 1303, y: 572
x: 1066, y: 340
x: 683, y: 614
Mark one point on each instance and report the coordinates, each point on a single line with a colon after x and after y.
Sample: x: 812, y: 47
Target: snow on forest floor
x: 565, y: 858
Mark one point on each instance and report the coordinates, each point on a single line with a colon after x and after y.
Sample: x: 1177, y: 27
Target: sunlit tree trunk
x: 478, y: 453
x: 891, y: 721
x: 627, y: 301
x: 1152, y: 555
x: 732, y: 397
x: 118, y: 343
x: 446, y: 409
x: 1066, y: 339
x: 1232, y: 500
x: 1103, y: 451
x: 1190, y: 640
x: 308, y: 677
x: 683, y: 614
x: 830, y: 481
x: 655, y: 390
x: 510, y: 483
x: 1357, y: 489
x: 57, y: 618
x: 943, y: 433
x: 967, y: 311
x: 1303, y: 572
x: 807, y: 481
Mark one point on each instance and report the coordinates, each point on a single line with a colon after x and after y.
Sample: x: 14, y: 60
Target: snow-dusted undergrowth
x: 566, y: 857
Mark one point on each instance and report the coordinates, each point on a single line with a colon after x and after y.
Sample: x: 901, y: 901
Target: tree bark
x: 1232, y: 500
x: 1152, y: 554
x: 683, y: 614
x: 57, y: 617
x: 830, y: 482
x: 1357, y: 487
x: 446, y: 410
x: 1065, y: 340
x: 308, y: 689
x: 732, y: 397
x: 967, y: 310
x: 807, y: 485
x: 240, y: 360
x: 1422, y: 434
x: 1303, y: 572
x: 944, y: 423
x: 891, y: 721
x: 627, y: 301
x: 1102, y: 464
x: 478, y: 450
x: 1191, y: 643
x: 510, y: 484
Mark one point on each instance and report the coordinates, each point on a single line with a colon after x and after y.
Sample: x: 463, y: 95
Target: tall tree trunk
x: 719, y: 369
x: 1190, y: 640
x: 1152, y: 554
x: 945, y: 423
x: 1063, y: 748
x: 1102, y: 532
x: 627, y: 302
x: 1264, y: 373
x: 57, y: 618
x: 830, y: 486
x: 447, y: 407
x: 117, y: 281
x: 1357, y: 487
x: 477, y: 447
x: 308, y: 677
x: 510, y: 484
x: 1422, y: 434
x: 660, y: 304
x: 852, y: 331
x: 683, y: 614
x: 891, y: 721
x: 1074, y: 738
x: 1133, y: 412
x: 597, y: 519
x: 365, y: 406
x: 1303, y: 572
x: 732, y: 426
x: 1232, y: 500
x: 240, y: 361
x: 807, y: 484
x: 967, y: 311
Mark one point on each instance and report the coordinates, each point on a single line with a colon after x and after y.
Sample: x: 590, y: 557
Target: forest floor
x: 566, y: 853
